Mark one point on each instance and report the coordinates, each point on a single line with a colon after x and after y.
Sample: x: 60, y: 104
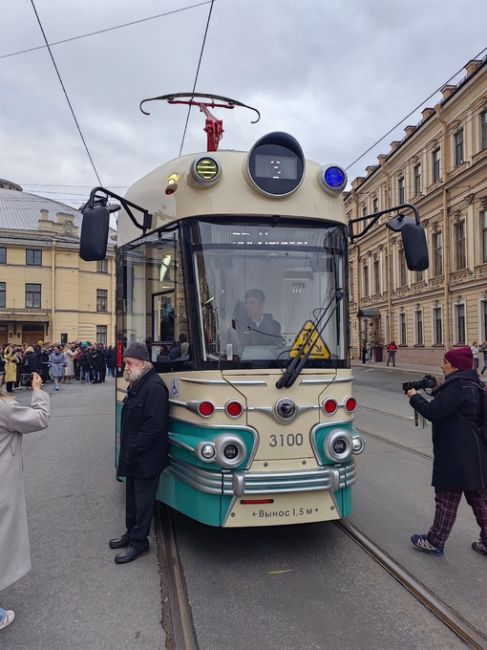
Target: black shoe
x: 119, y: 542
x: 130, y: 554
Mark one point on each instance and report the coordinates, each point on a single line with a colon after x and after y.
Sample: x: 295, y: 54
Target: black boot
x: 119, y: 542
x: 130, y: 554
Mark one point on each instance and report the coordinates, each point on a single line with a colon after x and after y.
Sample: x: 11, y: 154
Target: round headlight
x: 338, y: 445
x: 205, y: 171
x: 333, y: 178
x: 206, y: 451
x: 358, y: 445
x: 230, y: 451
x: 285, y: 409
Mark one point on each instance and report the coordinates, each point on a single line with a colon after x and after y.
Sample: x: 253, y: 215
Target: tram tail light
x: 351, y: 404
x: 234, y: 409
x: 206, y: 409
x: 330, y: 406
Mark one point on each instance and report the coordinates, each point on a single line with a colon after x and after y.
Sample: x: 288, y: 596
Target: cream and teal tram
x: 232, y: 267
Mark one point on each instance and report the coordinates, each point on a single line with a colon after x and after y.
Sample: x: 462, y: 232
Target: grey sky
x: 335, y: 74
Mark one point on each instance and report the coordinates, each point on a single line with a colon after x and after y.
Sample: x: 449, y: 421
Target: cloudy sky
x: 337, y: 74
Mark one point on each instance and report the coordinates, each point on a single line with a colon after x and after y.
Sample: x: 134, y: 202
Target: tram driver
x: 254, y: 327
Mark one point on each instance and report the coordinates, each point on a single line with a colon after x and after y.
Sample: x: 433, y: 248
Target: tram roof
x: 232, y: 195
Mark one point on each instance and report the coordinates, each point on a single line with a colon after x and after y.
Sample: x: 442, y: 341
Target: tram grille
x: 230, y: 483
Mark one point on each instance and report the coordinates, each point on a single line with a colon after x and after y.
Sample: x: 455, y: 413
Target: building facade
x: 46, y: 291
x: 441, y: 167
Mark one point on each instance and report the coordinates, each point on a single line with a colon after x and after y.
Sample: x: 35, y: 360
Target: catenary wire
x: 66, y: 94
x: 197, y: 74
x: 107, y: 29
x: 411, y: 113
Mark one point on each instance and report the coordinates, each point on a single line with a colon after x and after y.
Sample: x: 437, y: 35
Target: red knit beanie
x: 460, y: 358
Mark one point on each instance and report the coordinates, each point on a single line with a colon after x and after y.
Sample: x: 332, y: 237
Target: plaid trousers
x: 447, y: 502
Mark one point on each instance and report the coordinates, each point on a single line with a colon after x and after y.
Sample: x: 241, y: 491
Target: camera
x: 428, y: 381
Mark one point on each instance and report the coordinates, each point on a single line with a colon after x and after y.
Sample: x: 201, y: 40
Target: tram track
x: 448, y: 616
x: 177, y: 618
x: 398, y: 445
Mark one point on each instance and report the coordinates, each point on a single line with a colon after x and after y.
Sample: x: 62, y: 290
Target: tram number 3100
x: 286, y: 440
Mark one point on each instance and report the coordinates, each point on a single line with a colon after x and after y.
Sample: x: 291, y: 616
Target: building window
x: 376, y: 277
x: 435, y: 159
x: 483, y: 130
x: 418, y: 326
x: 418, y: 277
x: 437, y: 241
x: 3, y: 294
x: 3, y: 255
x: 403, y: 275
x: 32, y: 296
x: 437, y: 326
x: 101, y: 334
x: 484, y: 319
x: 459, y: 234
x: 350, y: 283
x: 375, y: 205
x: 402, y: 328
x: 484, y: 235
x: 460, y: 323
x: 101, y: 300
x: 102, y: 266
x: 400, y: 190
x: 417, y: 179
x: 458, y: 145
x: 33, y: 257
x: 365, y: 285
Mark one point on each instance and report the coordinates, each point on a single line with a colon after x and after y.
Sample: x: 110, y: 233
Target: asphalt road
x: 76, y: 597
x: 310, y: 586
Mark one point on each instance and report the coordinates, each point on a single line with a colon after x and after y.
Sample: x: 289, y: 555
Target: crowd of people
x: 85, y: 362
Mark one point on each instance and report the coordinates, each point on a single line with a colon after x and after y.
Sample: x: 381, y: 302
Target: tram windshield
x: 232, y: 294
x: 263, y: 287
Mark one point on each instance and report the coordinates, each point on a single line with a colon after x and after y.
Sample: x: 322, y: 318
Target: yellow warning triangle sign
x: 303, y: 344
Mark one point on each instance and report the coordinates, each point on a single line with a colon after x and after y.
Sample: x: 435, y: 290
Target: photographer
x: 460, y: 453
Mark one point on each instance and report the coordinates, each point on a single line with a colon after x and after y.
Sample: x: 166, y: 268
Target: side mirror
x: 94, y: 233
x: 413, y: 241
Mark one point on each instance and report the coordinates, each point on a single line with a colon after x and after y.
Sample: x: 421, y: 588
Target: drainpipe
x: 445, y: 164
x: 53, y: 288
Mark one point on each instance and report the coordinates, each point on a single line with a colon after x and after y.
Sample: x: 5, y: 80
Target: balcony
x: 16, y: 315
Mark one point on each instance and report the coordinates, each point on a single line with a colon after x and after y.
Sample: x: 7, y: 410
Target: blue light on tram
x: 333, y: 178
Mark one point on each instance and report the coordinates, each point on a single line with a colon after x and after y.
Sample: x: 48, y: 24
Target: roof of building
x: 22, y: 210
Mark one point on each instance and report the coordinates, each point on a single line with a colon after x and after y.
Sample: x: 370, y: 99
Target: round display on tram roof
x: 276, y: 164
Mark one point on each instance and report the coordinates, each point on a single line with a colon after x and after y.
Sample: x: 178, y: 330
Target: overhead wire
x: 197, y: 75
x: 411, y: 113
x: 107, y: 29
x: 66, y: 94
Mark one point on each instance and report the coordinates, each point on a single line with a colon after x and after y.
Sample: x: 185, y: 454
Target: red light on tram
x: 253, y: 502
x: 205, y: 409
x: 351, y: 404
x: 330, y: 406
x: 234, y: 409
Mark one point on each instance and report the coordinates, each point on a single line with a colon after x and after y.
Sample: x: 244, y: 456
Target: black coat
x: 144, y: 439
x: 460, y: 455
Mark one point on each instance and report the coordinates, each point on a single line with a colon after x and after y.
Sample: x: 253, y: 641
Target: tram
x: 232, y: 267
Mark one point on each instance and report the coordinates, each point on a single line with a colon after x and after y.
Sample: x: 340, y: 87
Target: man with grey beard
x: 143, y: 449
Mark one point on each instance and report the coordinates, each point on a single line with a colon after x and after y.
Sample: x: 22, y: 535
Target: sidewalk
x: 417, y: 369
x: 76, y: 597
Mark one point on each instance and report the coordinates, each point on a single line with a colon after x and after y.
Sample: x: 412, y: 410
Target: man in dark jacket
x: 143, y: 449
x: 460, y: 453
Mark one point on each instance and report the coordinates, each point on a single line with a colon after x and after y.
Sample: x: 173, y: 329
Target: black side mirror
x: 94, y: 233
x: 413, y: 241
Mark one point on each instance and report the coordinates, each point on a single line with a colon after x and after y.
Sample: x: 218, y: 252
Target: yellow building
x: 441, y: 167
x: 46, y: 291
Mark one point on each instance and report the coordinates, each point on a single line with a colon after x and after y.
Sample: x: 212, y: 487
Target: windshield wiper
x: 297, y: 364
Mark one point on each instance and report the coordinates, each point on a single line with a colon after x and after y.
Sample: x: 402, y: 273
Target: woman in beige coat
x: 15, y: 420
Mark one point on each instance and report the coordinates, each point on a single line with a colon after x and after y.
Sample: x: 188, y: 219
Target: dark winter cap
x: 137, y: 350
x: 460, y: 358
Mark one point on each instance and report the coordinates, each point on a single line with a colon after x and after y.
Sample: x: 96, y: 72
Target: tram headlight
x: 333, y: 179
x: 205, y: 171
x: 358, y: 445
x: 206, y: 451
x: 230, y: 451
x: 338, y: 445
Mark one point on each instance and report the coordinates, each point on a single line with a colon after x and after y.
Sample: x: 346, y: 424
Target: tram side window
x: 154, y: 300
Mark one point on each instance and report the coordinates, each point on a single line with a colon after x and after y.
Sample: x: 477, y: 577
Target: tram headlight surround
x: 358, y: 445
x: 230, y: 451
x: 333, y: 179
x: 205, y: 171
x: 338, y: 445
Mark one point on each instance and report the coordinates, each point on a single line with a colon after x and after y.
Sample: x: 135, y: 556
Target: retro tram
x: 232, y: 267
